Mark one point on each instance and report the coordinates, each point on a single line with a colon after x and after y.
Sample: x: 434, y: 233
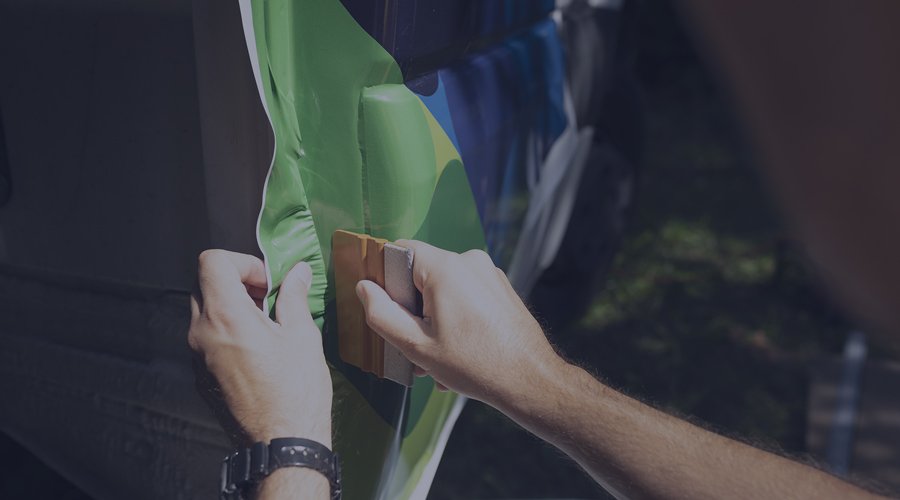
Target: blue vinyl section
x: 437, y: 103
x: 506, y: 110
x: 424, y: 35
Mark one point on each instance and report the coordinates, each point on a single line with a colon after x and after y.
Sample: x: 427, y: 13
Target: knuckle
x: 194, y: 341
x: 205, y: 256
x: 209, y: 258
x: 445, y: 265
x: 196, y: 305
x: 479, y: 257
x: 199, y: 338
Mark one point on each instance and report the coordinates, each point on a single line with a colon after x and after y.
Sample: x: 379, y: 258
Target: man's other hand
x: 476, y: 336
x: 272, y: 374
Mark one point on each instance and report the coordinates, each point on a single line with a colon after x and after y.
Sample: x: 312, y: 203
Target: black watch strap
x: 246, y: 467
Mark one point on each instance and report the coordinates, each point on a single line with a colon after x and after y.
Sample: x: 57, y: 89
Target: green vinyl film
x: 354, y: 150
x: 396, y: 146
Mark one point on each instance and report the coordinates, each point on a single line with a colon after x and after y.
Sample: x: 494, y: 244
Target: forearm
x: 480, y: 340
x: 294, y: 482
x: 636, y: 451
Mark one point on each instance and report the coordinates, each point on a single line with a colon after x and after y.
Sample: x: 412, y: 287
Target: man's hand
x: 272, y: 374
x: 479, y: 339
x: 476, y: 337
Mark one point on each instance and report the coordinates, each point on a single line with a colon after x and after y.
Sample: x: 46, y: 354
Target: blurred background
x: 708, y: 309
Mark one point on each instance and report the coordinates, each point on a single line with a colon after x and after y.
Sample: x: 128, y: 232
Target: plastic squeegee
x: 361, y: 257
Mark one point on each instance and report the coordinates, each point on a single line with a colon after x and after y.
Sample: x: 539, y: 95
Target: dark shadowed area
x: 709, y: 311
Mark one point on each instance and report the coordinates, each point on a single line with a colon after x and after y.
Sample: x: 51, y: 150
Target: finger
x: 256, y: 292
x: 292, y: 308
x: 225, y: 275
x: 479, y: 257
x: 193, y: 340
x: 390, y: 320
x: 440, y: 387
x: 195, y: 306
x: 419, y: 371
x: 425, y: 258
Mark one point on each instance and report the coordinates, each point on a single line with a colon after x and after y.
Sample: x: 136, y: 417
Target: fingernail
x: 361, y: 292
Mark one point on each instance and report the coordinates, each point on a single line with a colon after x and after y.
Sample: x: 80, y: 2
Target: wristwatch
x: 246, y: 467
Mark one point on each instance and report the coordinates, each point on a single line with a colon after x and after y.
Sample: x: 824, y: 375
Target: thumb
x: 392, y: 321
x: 291, y: 308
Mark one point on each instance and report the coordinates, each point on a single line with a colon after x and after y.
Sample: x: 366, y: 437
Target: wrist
x: 291, y: 479
x: 531, y: 386
x: 259, y: 467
